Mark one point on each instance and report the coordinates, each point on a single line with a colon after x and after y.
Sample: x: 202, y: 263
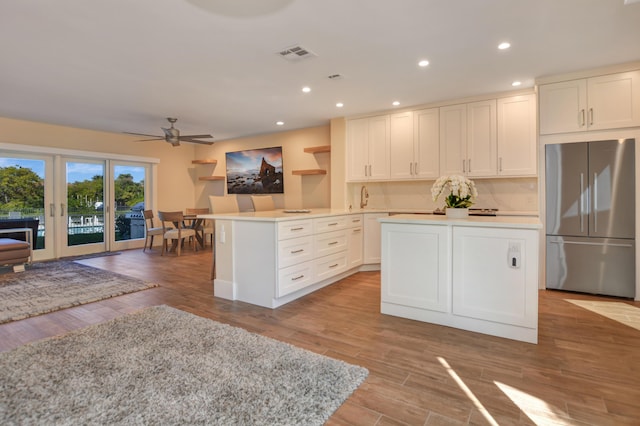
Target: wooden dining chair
x: 150, y: 229
x: 176, y: 235
x: 262, y: 203
x: 206, y: 229
x: 221, y: 204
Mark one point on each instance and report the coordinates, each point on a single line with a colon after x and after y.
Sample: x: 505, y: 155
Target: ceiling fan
x: 172, y: 135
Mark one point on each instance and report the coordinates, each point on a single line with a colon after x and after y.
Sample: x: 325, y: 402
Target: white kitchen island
x: 270, y: 258
x: 478, y: 274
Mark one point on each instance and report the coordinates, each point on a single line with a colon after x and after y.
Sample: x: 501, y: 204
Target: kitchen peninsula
x: 270, y: 258
x: 478, y: 273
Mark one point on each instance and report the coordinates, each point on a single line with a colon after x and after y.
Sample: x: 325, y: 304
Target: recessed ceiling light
x: 306, y: 89
x: 516, y: 83
x: 280, y: 123
x: 395, y: 103
x: 423, y: 63
x: 339, y: 104
x: 504, y: 45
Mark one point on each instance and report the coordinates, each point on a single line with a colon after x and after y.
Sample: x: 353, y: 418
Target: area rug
x: 51, y: 286
x: 165, y: 366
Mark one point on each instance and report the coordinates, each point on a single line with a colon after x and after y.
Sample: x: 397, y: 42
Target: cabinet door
x: 401, y: 160
x: 355, y: 246
x: 453, y: 139
x: 426, y: 143
x: 372, y: 237
x: 482, y: 155
x: 563, y: 107
x: 517, y: 142
x: 415, y: 268
x: 486, y: 284
x: 357, y: 149
x: 379, y: 147
x: 614, y: 101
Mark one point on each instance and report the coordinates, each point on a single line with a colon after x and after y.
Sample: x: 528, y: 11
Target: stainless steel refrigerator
x: 590, y: 217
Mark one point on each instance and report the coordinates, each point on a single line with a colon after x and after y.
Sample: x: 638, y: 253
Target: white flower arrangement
x: 462, y: 191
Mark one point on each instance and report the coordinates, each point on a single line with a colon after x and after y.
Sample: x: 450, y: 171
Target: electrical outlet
x: 513, y: 255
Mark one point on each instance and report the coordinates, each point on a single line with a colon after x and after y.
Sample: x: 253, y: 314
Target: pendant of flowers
x: 459, y: 191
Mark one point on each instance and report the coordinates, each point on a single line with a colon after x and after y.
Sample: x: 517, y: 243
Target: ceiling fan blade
x: 154, y: 139
x: 196, y: 136
x: 143, y: 134
x: 196, y: 141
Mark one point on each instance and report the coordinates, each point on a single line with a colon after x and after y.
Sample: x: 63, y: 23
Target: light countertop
x: 475, y: 221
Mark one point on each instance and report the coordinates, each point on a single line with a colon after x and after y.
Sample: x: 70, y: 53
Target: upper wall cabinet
x: 368, y: 149
x: 517, y: 151
x: 468, y: 142
x: 414, y: 144
x: 604, y: 102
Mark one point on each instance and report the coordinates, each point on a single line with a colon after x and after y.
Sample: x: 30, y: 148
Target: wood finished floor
x: 584, y: 371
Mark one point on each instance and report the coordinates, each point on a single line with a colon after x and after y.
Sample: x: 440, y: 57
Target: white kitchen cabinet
x: 415, y: 268
x: 414, y: 145
x: 603, y: 102
x: 355, y: 236
x: 372, y: 237
x: 517, y: 136
x: 368, y: 149
x: 468, y: 140
x: 477, y: 274
x: 495, y: 275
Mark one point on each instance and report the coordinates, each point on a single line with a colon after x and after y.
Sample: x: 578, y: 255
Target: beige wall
x: 299, y: 191
x: 175, y: 185
x: 178, y: 184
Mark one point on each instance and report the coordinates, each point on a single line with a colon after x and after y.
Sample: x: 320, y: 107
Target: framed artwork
x: 255, y: 171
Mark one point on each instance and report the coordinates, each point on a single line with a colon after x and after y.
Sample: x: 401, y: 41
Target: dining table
x: 192, y: 221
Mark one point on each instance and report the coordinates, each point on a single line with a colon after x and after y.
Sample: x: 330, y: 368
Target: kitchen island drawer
x: 328, y: 266
x: 294, y: 251
x: 330, y: 242
x: 294, y: 228
x: 328, y: 224
x: 295, y: 278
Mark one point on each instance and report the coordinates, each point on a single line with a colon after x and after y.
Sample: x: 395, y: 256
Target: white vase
x: 459, y: 213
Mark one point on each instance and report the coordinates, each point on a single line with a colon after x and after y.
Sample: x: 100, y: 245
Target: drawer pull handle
x: 333, y: 243
x: 297, y: 251
x: 297, y: 278
x: 297, y: 229
x: 357, y: 230
x: 334, y: 265
x: 355, y: 221
x: 333, y: 224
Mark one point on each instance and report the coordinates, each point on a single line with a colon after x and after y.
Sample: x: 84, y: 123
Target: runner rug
x: 51, y: 286
x: 165, y: 366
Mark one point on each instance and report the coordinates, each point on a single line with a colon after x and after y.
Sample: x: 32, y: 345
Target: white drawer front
x: 355, y: 220
x: 294, y: 278
x: 294, y: 251
x: 327, y: 224
x: 330, y: 242
x: 294, y: 228
x: 331, y: 265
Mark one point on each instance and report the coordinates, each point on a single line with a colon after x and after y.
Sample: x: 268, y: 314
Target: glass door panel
x: 84, y: 211
x: 26, y: 188
x: 129, y: 202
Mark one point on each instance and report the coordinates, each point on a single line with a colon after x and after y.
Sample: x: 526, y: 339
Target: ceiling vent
x: 296, y: 53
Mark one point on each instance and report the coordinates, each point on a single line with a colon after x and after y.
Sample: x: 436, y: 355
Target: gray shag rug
x: 164, y: 366
x: 51, y: 286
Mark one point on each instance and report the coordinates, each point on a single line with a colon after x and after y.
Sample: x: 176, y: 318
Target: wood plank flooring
x: 584, y: 371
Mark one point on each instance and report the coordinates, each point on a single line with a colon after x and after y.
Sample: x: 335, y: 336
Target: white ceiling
x: 122, y: 65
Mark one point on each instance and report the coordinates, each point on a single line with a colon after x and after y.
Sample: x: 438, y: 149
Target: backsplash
x: 514, y: 194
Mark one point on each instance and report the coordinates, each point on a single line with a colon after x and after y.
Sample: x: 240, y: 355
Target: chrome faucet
x: 364, y: 197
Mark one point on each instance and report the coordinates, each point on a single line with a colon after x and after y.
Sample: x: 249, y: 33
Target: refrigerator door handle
x: 581, y: 203
x: 578, y: 243
x: 595, y: 202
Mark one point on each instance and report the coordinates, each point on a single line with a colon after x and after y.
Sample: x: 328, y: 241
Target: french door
x: 83, y: 205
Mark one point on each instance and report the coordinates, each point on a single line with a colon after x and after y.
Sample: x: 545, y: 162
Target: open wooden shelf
x: 211, y: 178
x: 315, y: 149
x: 209, y: 161
x: 309, y: 172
